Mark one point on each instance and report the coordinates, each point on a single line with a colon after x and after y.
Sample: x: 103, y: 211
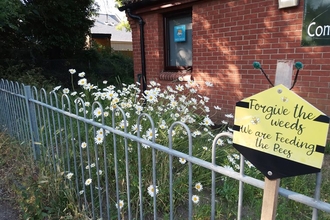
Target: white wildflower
x: 182, y: 160
x: 72, y: 71
x: 88, y: 182
x: 208, y: 84
x: 69, y: 175
x: 198, y: 187
x: 195, y: 199
x: 151, y: 190
x: 228, y: 167
x: 82, y: 82
x: 66, y: 91
x: 220, y: 142
x: 97, y: 112
x: 56, y: 88
x: 83, y: 145
x: 236, y: 156
x: 98, y: 139
x: 121, y: 204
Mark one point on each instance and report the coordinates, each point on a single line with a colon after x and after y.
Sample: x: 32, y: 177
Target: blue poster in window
x: 180, y: 33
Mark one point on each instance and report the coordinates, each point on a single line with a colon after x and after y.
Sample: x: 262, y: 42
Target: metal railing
x: 60, y: 135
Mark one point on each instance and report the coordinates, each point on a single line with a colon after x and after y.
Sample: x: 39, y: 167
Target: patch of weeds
x: 39, y: 193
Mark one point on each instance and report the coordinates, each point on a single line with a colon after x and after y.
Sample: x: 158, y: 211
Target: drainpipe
x: 142, y: 48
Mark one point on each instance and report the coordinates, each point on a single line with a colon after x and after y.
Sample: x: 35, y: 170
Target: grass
x: 43, y: 195
x: 37, y: 193
x: 13, y: 165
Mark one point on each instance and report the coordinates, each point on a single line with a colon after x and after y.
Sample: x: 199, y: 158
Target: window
x: 178, y: 40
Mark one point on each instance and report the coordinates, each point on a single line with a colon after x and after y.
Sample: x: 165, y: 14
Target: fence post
x: 32, y: 122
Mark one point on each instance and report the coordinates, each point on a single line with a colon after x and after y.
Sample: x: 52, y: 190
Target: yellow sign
x: 278, y: 122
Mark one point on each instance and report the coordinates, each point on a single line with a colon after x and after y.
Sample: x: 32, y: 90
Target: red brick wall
x: 228, y: 36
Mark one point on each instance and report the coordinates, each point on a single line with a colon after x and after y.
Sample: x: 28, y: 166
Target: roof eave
x: 140, y: 4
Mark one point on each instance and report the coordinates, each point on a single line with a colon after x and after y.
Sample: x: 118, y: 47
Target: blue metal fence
x: 61, y: 134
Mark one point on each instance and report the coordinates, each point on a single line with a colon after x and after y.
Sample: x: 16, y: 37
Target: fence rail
x: 107, y: 166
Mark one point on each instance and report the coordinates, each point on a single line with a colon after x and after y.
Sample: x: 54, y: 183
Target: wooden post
x: 269, y: 200
x: 283, y: 76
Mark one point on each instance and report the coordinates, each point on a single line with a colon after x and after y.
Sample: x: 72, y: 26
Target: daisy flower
x: 83, y: 145
x: 72, y: 71
x: 66, y: 91
x: 208, y: 84
x: 98, y: 139
x: 151, y: 190
x: 69, y: 175
x: 182, y: 160
x: 193, y: 90
x: 121, y: 204
x: 88, y: 181
x: 228, y: 167
x: 198, y: 187
x: 163, y: 125
x: 236, y: 156
x: 100, y: 132
x: 150, y: 134
x: 207, y: 121
x: 179, y: 88
x: 229, y: 115
x: 153, y: 83
x: 249, y: 164
x: 56, y: 88
x: 82, y: 82
x: 220, y: 142
x: 82, y: 74
x: 231, y: 159
x: 135, y: 128
x: 97, y: 112
x: 195, y: 199
x: 151, y: 98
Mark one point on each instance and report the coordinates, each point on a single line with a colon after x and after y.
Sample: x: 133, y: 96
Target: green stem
x: 72, y: 82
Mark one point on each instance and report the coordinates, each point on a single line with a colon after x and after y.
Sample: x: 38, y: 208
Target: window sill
x: 172, y: 76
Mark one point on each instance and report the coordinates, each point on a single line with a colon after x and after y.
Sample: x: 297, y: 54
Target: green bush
x: 99, y: 62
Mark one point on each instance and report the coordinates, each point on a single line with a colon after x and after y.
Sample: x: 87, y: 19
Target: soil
x: 7, y: 207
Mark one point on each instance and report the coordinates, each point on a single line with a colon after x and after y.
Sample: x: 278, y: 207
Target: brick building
x: 222, y: 39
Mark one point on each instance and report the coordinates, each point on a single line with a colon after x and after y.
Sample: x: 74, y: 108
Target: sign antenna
x: 298, y: 66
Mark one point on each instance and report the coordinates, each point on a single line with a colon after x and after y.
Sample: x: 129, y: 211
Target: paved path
x: 7, y: 212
